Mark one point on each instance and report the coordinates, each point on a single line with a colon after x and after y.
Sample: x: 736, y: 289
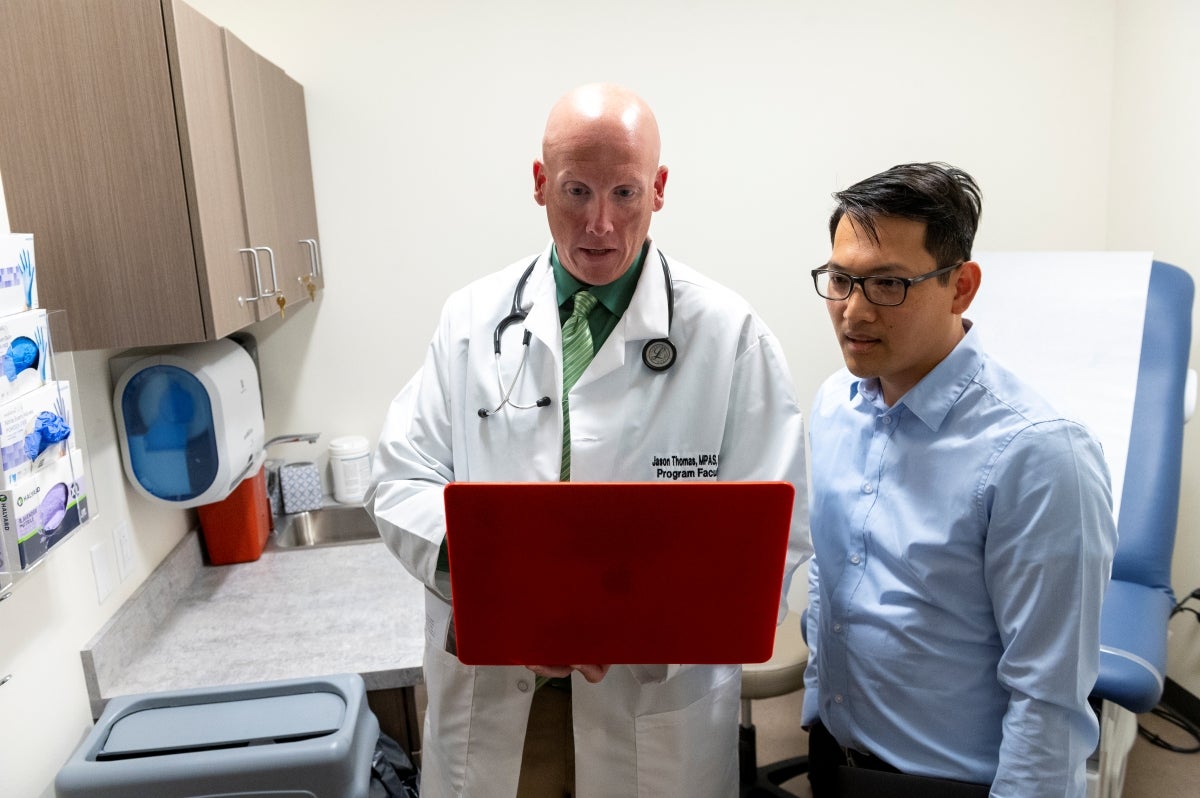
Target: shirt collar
x: 615, y: 296
x: 931, y: 399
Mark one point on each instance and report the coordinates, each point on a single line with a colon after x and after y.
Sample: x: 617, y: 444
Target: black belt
x: 856, y: 773
x: 861, y: 759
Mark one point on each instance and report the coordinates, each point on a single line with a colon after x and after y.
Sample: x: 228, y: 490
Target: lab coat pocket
x: 690, y: 752
x: 448, y: 686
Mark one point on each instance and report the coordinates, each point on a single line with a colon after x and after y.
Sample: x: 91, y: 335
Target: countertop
x: 293, y: 613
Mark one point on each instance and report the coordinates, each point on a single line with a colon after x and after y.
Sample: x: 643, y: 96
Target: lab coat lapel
x: 644, y: 319
x: 542, y: 321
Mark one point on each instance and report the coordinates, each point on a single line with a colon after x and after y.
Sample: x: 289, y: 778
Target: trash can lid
x: 223, y: 724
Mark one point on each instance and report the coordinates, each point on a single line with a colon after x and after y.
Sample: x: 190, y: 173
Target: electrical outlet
x: 123, y: 545
x: 103, y: 570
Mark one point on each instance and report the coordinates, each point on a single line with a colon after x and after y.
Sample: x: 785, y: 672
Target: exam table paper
x: 1070, y: 324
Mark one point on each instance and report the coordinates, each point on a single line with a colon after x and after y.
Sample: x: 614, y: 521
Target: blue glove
x: 22, y: 354
x: 48, y: 429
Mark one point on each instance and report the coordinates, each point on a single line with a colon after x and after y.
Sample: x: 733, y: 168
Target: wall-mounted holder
x: 49, y: 496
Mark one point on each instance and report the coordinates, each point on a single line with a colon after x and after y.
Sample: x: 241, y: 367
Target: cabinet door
x: 293, y: 167
x: 272, y: 142
x: 197, y: 52
x: 259, y: 192
x: 90, y: 156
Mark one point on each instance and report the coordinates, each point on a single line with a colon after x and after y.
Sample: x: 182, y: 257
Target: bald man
x: 672, y: 368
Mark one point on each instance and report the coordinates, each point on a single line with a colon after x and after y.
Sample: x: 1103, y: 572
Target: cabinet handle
x: 4, y: 679
x: 274, y: 279
x: 242, y: 300
x: 312, y: 257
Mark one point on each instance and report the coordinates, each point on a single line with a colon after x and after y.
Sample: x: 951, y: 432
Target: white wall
x: 424, y: 119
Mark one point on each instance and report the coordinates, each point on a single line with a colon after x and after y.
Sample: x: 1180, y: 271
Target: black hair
x: 945, y: 198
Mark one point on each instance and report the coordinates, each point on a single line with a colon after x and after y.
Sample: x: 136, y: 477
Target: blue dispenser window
x: 169, y: 429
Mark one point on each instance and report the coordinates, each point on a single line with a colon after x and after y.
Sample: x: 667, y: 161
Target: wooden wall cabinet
x: 152, y: 165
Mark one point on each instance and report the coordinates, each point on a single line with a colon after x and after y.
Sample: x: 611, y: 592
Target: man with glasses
x: 963, y: 529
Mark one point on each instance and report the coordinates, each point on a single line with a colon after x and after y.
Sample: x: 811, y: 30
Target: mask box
x: 41, y: 510
x: 35, y: 430
x: 18, y: 273
x: 24, y: 351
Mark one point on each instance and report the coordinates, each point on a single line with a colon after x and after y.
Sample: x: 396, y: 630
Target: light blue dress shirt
x: 964, y: 540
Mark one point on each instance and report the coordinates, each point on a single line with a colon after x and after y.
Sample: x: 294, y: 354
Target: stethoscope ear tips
x: 485, y: 413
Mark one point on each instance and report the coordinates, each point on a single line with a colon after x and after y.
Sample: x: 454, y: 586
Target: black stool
x: 780, y: 675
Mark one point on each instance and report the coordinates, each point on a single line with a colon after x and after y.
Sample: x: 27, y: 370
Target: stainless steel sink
x: 329, y: 526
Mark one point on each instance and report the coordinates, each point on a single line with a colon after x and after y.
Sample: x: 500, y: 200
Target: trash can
x: 300, y: 738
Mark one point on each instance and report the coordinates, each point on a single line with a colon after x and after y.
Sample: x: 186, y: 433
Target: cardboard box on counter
x: 24, y: 351
x: 41, y: 510
x: 35, y: 430
x: 18, y: 273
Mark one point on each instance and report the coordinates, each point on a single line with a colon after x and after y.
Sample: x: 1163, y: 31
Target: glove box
x: 310, y: 737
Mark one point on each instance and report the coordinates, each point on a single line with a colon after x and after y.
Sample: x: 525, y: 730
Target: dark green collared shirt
x: 613, y: 298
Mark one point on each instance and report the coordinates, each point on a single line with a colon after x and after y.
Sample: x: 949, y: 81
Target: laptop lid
x: 558, y: 573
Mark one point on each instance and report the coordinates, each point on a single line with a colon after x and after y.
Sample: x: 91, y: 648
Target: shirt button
x: 867, y: 487
x: 523, y: 686
x: 887, y: 420
x: 854, y: 558
x: 837, y: 699
x: 837, y: 627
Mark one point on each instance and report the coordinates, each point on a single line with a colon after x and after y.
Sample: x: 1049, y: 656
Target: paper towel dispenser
x: 189, y: 420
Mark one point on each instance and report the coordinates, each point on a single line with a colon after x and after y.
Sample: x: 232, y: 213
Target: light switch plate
x: 103, y: 570
x: 123, y: 546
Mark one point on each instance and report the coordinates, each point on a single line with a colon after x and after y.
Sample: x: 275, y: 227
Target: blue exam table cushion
x: 1133, y: 652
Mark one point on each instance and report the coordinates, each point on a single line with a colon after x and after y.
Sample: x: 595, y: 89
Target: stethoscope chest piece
x: 659, y: 354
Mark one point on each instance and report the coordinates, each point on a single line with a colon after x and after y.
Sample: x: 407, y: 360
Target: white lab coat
x: 644, y: 730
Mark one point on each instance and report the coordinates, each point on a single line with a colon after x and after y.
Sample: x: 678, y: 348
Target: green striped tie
x: 577, y: 353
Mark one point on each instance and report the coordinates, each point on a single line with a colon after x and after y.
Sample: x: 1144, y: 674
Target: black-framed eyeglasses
x: 878, y: 289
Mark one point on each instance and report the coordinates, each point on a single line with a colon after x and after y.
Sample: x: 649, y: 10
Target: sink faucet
x: 295, y: 437
x: 273, y: 490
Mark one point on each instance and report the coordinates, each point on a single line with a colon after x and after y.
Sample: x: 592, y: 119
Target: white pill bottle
x: 350, y: 462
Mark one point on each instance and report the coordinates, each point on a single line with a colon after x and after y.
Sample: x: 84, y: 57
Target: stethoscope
x: 658, y: 354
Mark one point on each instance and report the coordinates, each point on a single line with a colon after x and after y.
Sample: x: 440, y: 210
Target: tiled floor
x: 1153, y: 772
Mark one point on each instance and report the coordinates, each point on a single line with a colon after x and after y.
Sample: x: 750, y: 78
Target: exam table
x: 1105, y: 336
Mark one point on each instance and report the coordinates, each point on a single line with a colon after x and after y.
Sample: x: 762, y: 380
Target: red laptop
x: 556, y: 573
